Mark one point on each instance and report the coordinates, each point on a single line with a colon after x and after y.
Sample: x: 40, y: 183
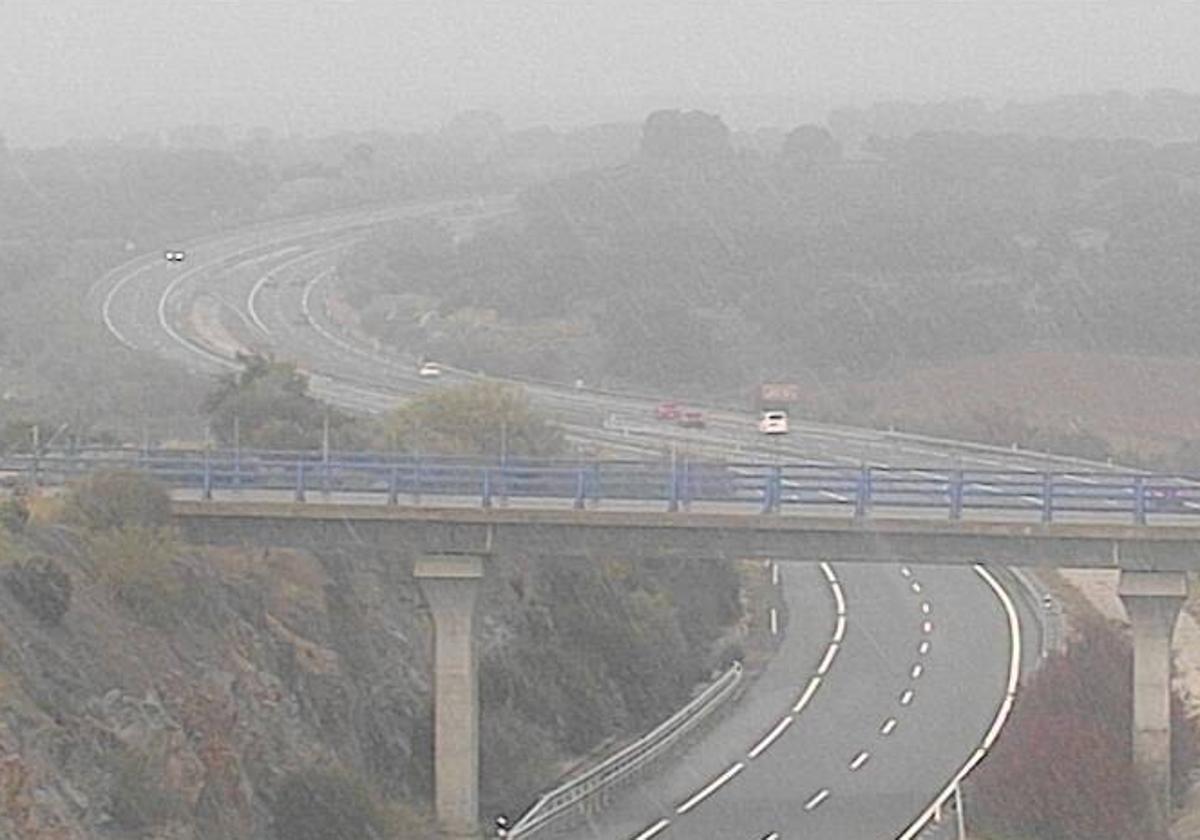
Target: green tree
x: 267, y: 404
x: 486, y: 418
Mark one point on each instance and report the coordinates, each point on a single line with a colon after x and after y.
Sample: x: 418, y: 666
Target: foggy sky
x: 106, y: 67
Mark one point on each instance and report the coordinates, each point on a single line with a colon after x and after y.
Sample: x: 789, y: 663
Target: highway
x: 267, y: 288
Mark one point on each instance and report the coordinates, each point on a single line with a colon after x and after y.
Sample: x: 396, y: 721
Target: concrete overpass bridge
x: 456, y: 513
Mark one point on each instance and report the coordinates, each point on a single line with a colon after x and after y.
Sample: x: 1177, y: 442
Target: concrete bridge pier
x: 450, y: 584
x: 1152, y: 601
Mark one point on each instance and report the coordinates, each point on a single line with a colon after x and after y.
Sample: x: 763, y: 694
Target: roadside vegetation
x: 1062, y: 769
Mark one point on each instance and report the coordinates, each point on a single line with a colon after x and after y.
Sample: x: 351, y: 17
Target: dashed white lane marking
x: 840, y: 630
x: 888, y: 726
x: 925, y: 608
x: 774, y: 622
x: 654, y: 829
x: 809, y: 691
x: 710, y: 788
x: 923, y: 648
x: 916, y: 587
x: 775, y: 573
x: 816, y: 799
x: 906, y: 697
x: 917, y: 670
x: 859, y: 760
x: 770, y: 737
x: 774, y: 835
x: 904, y: 570
x: 927, y: 627
x: 830, y: 653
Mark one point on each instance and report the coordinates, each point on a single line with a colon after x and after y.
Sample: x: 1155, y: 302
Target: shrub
x: 14, y: 514
x: 136, y: 564
x: 113, y: 499
x: 317, y: 804
x: 42, y: 586
x: 138, y: 799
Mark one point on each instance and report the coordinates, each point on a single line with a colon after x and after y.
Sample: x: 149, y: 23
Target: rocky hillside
x: 149, y: 689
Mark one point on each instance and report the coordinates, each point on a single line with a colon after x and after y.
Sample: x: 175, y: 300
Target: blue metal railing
x: 678, y: 485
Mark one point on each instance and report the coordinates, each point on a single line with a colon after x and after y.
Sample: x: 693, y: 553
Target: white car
x: 773, y: 423
x: 174, y: 256
x: 430, y: 370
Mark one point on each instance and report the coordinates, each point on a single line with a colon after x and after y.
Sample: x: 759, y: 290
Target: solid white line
x: 888, y: 726
x: 817, y: 799
x: 813, y: 684
x: 916, y: 670
x: 708, y: 789
x: 840, y: 629
x: 859, y: 760
x: 906, y: 697
x: 654, y: 829
x: 830, y: 652
x: 774, y: 622
x: 106, y: 306
x: 923, y: 648
x: 771, y: 736
x: 828, y: 570
x: 252, y: 298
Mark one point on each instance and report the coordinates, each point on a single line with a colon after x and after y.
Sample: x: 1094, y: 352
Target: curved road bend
x: 956, y: 690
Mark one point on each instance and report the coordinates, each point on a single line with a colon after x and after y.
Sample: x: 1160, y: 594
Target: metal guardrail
x: 676, y: 484
x: 588, y: 790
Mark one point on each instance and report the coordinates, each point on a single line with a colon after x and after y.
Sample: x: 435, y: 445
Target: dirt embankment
x: 200, y: 721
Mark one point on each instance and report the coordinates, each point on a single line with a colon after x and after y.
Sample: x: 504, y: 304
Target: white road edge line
x: 653, y: 830
x: 1014, y: 676
x: 828, y: 570
x: 708, y: 789
x: 838, y: 597
x: 830, y: 653
x: 813, y: 685
x: 840, y: 630
x: 771, y: 736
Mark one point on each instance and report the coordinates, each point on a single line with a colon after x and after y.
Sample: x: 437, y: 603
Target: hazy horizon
x: 76, y: 68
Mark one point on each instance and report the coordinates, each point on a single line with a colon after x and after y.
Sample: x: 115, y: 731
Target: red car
x: 668, y: 411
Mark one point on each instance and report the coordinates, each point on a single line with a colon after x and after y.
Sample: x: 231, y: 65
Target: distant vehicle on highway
x: 668, y: 411
x: 430, y: 370
x: 691, y: 419
x: 773, y: 423
x: 174, y: 256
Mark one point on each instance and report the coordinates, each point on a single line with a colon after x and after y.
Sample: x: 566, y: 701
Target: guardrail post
x: 394, y: 486
x: 673, y: 489
x: 862, y: 495
x: 773, y: 490
x: 1139, y: 500
x: 487, y: 487
x: 581, y: 489
x: 300, y: 488
x: 685, y: 485
x: 956, y: 494
x: 1047, y: 497
x: 207, y: 482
